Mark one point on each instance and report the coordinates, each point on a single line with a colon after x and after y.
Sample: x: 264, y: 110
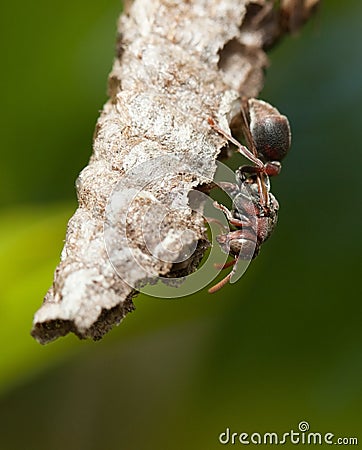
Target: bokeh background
x: 281, y: 346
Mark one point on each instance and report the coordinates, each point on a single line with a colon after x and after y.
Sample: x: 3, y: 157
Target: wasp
x: 254, y: 212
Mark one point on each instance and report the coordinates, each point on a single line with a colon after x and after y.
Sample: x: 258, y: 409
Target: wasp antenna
x: 224, y: 266
x: 220, y: 284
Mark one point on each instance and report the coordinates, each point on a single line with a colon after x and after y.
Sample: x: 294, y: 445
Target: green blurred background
x: 281, y: 346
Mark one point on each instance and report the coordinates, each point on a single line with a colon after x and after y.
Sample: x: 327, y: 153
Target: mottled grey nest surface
x: 178, y: 63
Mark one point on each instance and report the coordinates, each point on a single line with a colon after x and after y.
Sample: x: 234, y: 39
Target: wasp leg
x: 224, y: 210
x: 241, y: 148
x: 229, y: 216
x: 262, y: 187
x: 232, y: 189
x: 217, y: 222
x: 271, y: 168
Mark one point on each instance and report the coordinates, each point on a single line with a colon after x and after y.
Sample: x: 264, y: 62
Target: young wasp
x: 254, y: 212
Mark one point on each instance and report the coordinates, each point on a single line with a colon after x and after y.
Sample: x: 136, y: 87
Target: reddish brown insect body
x: 255, y: 210
x: 267, y: 133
